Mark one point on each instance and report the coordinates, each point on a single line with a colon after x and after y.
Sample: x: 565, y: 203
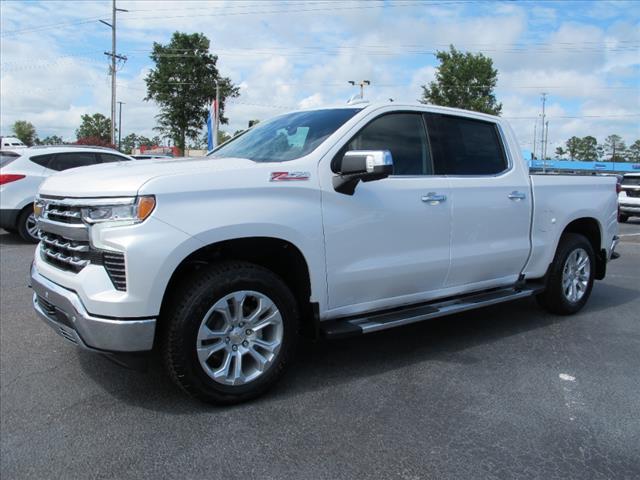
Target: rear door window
x: 65, y: 161
x: 464, y: 146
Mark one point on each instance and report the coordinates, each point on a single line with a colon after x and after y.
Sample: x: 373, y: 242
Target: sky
x: 300, y: 54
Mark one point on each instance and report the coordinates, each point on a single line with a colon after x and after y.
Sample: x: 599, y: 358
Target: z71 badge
x: 288, y: 176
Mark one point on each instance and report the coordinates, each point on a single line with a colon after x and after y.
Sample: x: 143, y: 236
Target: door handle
x: 433, y: 198
x: 517, y: 196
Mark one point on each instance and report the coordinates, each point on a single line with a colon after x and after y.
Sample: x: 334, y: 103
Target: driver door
x: 388, y: 243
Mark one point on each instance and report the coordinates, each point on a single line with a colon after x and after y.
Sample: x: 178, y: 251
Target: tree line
x: 589, y: 150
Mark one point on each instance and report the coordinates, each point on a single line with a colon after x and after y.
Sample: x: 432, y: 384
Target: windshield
x: 287, y: 137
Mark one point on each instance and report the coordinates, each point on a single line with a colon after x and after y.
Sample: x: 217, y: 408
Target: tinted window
x: 7, y: 157
x: 287, y: 137
x: 64, y: 161
x: 403, y: 135
x: 109, y: 157
x: 42, y: 160
x: 462, y: 146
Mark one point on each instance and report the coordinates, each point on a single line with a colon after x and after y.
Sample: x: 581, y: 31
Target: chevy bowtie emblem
x: 289, y: 176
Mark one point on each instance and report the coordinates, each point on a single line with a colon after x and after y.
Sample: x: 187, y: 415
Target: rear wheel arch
x: 591, y: 229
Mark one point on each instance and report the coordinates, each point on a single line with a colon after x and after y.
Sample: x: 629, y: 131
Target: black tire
x: 553, y: 298
x: 22, y: 228
x: 186, y: 310
x: 623, y: 218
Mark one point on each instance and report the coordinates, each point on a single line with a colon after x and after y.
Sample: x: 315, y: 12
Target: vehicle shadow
x: 8, y: 238
x: 323, y: 363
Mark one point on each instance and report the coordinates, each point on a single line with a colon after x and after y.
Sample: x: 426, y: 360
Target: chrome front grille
x: 63, y: 213
x: 65, y: 242
x: 66, y: 254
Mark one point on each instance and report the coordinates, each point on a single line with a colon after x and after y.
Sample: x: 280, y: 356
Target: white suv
x: 22, y: 174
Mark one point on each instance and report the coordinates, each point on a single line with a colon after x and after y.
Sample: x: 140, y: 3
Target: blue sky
x: 286, y: 55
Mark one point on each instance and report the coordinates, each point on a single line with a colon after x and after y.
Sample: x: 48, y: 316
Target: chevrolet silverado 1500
x: 327, y: 222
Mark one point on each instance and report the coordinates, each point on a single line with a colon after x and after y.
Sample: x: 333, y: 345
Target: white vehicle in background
x: 333, y: 222
x: 11, y: 143
x: 22, y: 171
x: 629, y: 196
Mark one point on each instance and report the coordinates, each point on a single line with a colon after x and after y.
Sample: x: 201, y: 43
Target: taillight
x: 618, y: 187
x: 10, y: 177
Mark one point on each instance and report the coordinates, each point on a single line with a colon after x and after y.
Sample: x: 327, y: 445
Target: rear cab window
x: 465, y: 146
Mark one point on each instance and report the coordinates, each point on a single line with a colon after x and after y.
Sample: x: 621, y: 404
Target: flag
x: 212, y: 141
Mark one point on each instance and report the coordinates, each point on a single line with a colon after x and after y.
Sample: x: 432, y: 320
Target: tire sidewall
x: 208, y: 293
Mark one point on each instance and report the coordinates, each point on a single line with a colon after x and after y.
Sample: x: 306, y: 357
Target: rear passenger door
x: 490, y: 201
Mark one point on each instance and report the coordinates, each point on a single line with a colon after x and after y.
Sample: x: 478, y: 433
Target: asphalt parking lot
x: 505, y: 392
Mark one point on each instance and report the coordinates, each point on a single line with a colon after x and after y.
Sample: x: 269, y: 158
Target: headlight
x: 133, y: 210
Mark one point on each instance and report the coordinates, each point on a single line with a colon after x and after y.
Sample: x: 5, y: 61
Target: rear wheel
x: 230, y: 332
x: 27, y: 226
x: 571, y: 277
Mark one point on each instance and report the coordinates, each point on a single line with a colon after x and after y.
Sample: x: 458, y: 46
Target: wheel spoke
x: 206, y: 351
x: 223, y: 371
x: 238, y: 377
x: 259, y: 358
x: 268, y: 346
x: 273, y: 318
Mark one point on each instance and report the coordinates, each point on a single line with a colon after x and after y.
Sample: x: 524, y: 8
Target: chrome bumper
x: 62, y: 310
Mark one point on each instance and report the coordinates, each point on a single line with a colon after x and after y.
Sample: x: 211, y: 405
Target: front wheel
x: 230, y: 332
x: 571, y: 277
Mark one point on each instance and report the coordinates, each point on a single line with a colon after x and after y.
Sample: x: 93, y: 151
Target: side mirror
x: 365, y: 165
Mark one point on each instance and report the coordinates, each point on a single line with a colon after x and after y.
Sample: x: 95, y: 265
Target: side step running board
x: 368, y: 323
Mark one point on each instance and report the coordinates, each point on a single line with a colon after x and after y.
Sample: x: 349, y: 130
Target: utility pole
x: 112, y: 68
x: 542, y: 149
x: 120, y: 127
x: 361, y: 84
x: 546, y: 138
x: 216, y: 120
x: 535, y: 138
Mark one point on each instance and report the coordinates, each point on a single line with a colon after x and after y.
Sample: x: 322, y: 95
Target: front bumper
x: 630, y: 209
x: 62, y: 310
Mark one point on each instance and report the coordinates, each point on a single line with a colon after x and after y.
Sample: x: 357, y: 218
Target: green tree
x: 615, y: 149
x: 588, y: 149
x: 464, y: 80
x: 633, y: 152
x: 573, y: 147
x: 96, y: 125
x: 25, y: 131
x: 129, y: 143
x: 183, y: 84
x: 560, y: 152
x: 50, y: 140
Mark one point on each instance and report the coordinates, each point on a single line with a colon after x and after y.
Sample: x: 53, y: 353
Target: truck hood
x: 126, y: 178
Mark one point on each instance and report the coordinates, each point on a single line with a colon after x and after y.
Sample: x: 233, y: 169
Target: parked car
x: 22, y: 172
x: 11, y: 143
x: 629, y: 196
x: 331, y: 222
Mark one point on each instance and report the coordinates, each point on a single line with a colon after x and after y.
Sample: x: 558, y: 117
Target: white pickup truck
x: 327, y: 222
